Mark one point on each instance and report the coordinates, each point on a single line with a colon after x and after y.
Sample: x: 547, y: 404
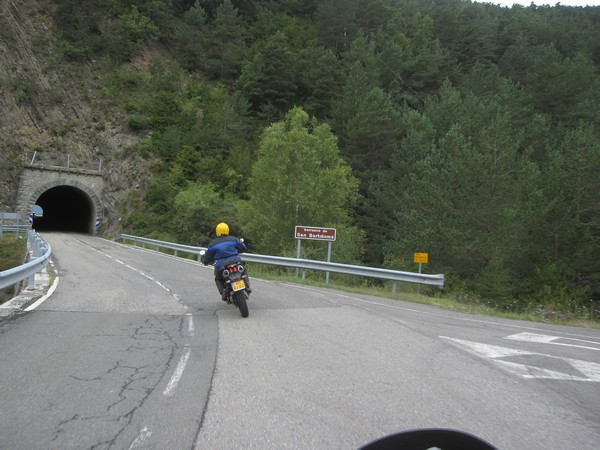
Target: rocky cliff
x: 55, y: 108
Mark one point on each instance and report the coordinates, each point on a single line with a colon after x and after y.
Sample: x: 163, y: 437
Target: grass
x: 12, y: 254
x: 12, y: 251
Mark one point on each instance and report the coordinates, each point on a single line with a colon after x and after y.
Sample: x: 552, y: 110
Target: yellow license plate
x: 239, y: 285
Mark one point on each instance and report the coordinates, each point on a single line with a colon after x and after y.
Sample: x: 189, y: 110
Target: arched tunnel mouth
x: 65, y: 208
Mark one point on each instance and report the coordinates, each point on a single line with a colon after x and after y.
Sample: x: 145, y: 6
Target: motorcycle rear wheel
x: 242, y: 304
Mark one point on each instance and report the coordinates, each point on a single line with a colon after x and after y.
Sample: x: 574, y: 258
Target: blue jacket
x: 222, y: 249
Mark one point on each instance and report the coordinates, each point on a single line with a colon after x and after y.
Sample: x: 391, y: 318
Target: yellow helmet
x: 222, y: 229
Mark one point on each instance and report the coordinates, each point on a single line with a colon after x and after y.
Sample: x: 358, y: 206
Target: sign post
x: 421, y: 258
x: 316, y: 234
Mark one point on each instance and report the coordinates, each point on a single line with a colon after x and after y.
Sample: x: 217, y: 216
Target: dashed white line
x: 162, y: 285
x: 190, y: 324
x: 177, y: 374
x: 141, y: 439
x: 148, y: 277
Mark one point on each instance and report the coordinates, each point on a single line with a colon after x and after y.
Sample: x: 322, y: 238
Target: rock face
x: 53, y: 109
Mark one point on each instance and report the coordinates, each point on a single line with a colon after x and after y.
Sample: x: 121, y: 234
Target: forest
x: 465, y: 130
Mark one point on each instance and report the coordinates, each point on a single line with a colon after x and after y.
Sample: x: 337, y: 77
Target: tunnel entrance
x: 66, y: 208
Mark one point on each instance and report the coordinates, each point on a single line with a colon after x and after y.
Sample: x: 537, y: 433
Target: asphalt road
x: 134, y: 349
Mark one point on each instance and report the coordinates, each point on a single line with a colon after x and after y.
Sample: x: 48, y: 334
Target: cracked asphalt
x: 135, y: 350
x: 88, y: 368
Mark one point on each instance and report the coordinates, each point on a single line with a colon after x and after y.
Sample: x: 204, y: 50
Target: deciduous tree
x: 299, y: 178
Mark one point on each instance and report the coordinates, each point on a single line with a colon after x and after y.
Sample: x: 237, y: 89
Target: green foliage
x: 556, y: 297
x: 554, y: 91
x: 25, y: 90
x: 191, y: 37
x: 266, y: 81
x: 225, y: 43
x: 12, y: 251
x: 336, y: 23
x: 128, y: 31
x: 457, y: 191
x: 79, y: 29
x: 472, y: 129
x: 298, y: 178
x: 198, y: 208
x: 12, y: 254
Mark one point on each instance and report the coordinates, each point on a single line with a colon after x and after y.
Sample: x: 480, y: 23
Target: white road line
x: 190, y: 324
x: 148, y: 277
x: 589, y: 370
x: 546, y: 339
x: 140, y: 441
x: 177, y: 374
x: 45, y: 297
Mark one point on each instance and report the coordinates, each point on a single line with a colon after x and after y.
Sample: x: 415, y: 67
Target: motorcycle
x: 236, y: 284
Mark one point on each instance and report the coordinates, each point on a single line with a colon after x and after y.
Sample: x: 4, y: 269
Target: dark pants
x: 219, y: 281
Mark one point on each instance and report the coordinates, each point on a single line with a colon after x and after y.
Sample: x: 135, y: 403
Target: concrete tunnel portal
x: 65, y: 208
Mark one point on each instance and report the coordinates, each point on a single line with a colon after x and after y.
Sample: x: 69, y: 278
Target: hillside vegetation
x: 464, y: 130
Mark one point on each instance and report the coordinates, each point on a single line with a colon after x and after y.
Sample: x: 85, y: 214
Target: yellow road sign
x: 422, y: 258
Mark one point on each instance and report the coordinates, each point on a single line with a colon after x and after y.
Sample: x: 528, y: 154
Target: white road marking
x: 190, y: 324
x: 589, y: 370
x: 546, y: 339
x: 177, y: 374
x: 45, y: 297
x: 140, y: 441
x: 148, y: 277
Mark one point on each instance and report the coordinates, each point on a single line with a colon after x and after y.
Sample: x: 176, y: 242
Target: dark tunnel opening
x: 65, y: 208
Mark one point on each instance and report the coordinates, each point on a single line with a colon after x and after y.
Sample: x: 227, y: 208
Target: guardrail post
x: 31, y: 284
x: 35, y: 249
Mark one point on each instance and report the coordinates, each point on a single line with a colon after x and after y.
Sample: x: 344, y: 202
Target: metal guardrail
x: 12, y: 222
x: 17, y: 229
x: 40, y: 250
x: 370, y: 272
x: 162, y: 244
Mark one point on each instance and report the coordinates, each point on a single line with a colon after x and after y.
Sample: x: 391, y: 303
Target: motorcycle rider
x: 224, y: 248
